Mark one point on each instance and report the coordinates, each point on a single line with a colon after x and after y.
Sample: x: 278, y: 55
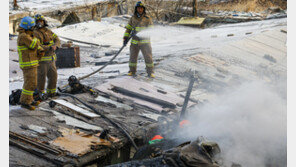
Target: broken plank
x: 144, y: 88
x: 38, y: 129
x: 73, y: 121
x: 117, y: 104
x: 37, y: 144
x: 150, y: 115
x: 38, y: 152
x: 106, y: 89
x: 80, y: 143
x: 140, y: 87
x: 77, y: 109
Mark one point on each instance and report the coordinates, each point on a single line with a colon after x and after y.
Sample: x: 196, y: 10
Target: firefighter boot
x: 35, y: 103
x: 151, y: 75
x: 51, y: 95
x: 131, y: 73
x: 27, y: 106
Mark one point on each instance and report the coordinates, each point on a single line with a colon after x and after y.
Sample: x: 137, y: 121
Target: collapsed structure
x: 115, y: 120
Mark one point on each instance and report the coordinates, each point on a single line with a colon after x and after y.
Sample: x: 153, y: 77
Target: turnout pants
x: 30, y: 84
x: 147, y: 53
x: 47, y: 70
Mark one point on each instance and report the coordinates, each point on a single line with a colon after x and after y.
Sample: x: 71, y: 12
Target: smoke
x: 249, y: 124
x: 163, y: 33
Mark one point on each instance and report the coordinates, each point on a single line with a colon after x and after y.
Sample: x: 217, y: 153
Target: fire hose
x: 132, y: 34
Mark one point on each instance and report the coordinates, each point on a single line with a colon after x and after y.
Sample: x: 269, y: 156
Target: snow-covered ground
x: 110, y: 31
x: 167, y: 41
x: 102, y: 33
x: 36, y: 5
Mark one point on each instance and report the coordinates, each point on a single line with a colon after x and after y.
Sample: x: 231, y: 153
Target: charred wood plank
x: 39, y: 145
x: 77, y: 109
x: 40, y: 153
x: 189, y: 90
x: 143, y: 97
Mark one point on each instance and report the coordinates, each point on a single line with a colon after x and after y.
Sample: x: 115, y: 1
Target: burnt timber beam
x: 59, y: 161
x: 189, y: 90
x: 39, y: 145
x: 143, y: 97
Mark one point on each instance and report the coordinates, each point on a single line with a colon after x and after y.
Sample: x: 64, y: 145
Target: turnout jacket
x: 29, y: 49
x: 47, y: 39
x: 139, y: 24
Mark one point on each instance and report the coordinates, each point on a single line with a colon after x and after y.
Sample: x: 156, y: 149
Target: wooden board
x: 190, y: 21
x: 72, y: 121
x: 117, y: 104
x: 139, y: 87
x: 76, y: 108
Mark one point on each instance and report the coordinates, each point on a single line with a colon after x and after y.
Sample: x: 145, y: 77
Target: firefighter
x: 138, y: 22
x: 47, y: 67
x: 29, y: 51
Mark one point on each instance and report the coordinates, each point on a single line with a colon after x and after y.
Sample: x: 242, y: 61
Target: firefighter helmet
x: 27, y: 23
x: 139, y: 4
x: 40, y: 17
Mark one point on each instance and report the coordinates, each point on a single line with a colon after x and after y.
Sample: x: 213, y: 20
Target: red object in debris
x: 184, y: 123
x: 157, y: 137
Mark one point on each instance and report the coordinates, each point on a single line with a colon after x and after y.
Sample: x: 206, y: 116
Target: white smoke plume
x: 249, y: 123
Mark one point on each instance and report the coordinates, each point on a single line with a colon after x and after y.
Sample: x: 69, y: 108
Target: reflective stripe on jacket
x: 140, y: 41
x: 22, y: 63
x: 47, y: 39
x: 27, y: 47
x: 138, y: 24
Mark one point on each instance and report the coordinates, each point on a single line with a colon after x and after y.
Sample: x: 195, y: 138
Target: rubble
x: 79, y: 143
x: 38, y: 129
x: 236, y: 17
x: 132, y: 90
x: 117, y: 104
x: 62, y: 118
x: 70, y: 133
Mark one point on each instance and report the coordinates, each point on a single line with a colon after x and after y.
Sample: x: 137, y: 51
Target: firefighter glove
x: 125, y: 40
x: 53, y: 47
x: 40, y: 53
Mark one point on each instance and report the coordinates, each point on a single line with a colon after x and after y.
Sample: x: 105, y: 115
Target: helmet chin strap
x: 39, y: 25
x: 139, y: 15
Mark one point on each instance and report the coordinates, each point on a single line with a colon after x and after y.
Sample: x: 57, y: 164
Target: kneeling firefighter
x: 29, y: 51
x: 138, y: 22
x: 47, y: 67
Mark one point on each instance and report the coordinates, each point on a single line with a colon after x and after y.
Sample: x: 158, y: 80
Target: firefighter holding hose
x: 138, y: 22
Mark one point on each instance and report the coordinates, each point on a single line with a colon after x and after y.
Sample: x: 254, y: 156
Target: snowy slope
x: 102, y: 33
x: 167, y: 42
x: 110, y: 32
x: 36, y: 5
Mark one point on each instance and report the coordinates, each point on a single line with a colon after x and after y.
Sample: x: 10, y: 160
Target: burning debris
x: 199, y: 153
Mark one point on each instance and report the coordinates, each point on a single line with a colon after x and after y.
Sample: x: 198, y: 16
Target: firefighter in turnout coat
x: 139, y: 21
x: 47, y: 68
x: 30, y: 52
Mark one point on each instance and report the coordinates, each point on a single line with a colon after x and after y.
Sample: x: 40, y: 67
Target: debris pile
x: 72, y: 18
